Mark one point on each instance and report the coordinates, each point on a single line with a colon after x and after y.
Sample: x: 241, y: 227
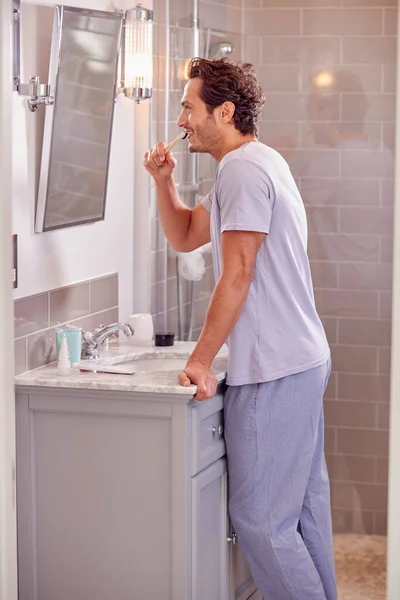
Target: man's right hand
x: 159, y: 164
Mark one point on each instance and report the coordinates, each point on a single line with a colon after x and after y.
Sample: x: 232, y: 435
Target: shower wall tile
x: 390, y: 21
x: 280, y: 78
x: 301, y: 50
x: 362, y: 442
x: 298, y: 3
x: 340, y: 21
x: 350, y: 414
x: 271, y: 22
x: 220, y: 17
x: 378, y: 50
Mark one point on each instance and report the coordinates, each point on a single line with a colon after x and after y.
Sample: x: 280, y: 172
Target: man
x: 263, y: 306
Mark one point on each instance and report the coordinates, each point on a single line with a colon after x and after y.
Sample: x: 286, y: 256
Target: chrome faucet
x: 92, y: 341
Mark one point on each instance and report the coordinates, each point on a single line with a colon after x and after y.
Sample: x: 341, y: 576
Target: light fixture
x: 136, y: 59
x: 137, y: 54
x: 38, y: 93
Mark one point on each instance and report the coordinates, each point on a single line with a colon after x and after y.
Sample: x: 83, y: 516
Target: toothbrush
x: 182, y: 136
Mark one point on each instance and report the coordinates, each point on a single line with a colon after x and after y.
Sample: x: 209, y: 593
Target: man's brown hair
x: 226, y: 81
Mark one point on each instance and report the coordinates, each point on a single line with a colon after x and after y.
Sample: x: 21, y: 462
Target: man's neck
x: 232, y: 144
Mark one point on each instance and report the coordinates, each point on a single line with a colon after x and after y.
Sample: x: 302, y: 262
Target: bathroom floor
x: 360, y: 566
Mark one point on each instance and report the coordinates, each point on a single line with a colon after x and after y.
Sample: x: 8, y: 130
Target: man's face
x: 203, y: 130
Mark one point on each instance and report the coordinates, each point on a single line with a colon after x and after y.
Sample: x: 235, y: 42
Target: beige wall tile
x: 364, y: 386
x: 330, y: 326
x: 20, y: 355
x: 284, y: 107
x: 216, y: 16
x: 330, y: 440
x: 339, y: 247
x: 367, y: 3
x: 104, y: 293
x: 382, y: 470
x: 383, y: 416
x: 390, y: 21
x: 365, y: 442
x: 370, y: 76
x: 345, y: 413
x: 280, y: 134
x: 369, y: 50
x: 252, y: 49
x: 323, y: 277
x: 331, y: 389
x: 351, y: 468
x: 358, y: 359
x: 345, y: 521
x: 371, y: 497
x: 337, y: 21
x: 279, y: 78
x: 369, y: 332
x: 340, y: 191
x: 347, y: 303
x: 387, y: 192
x: 384, y: 360
x: 299, y: 3
x: 389, y: 78
x: 271, y: 22
x: 322, y: 219
x: 385, y: 304
x: 69, y: 303
x: 366, y: 220
x: 365, y: 276
x: 41, y: 348
x: 31, y: 314
x: 300, y: 50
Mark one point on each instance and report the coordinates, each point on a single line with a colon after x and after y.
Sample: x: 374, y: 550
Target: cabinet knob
x: 219, y: 430
x: 232, y: 539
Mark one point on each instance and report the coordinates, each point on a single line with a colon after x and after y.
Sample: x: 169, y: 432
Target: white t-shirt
x: 279, y: 332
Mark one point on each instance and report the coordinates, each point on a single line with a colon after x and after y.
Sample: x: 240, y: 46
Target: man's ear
x: 226, y: 111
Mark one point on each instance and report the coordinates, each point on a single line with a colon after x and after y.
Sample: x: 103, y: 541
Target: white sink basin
x: 146, y: 365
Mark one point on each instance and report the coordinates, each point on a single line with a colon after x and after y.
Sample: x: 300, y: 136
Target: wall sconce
x: 38, y: 93
x: 136, y: 62
x: 137, y: 54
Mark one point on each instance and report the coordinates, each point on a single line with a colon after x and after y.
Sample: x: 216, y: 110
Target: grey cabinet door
x: 242, y: 584
x: 209, y: 534
x: 95, y: 523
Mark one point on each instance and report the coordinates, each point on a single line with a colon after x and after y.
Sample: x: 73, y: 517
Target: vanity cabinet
x: 123, y: 496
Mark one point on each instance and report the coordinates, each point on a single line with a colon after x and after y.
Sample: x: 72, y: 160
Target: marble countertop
x: 160, y: 382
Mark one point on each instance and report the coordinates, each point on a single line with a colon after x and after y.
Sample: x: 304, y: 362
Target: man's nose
x: 181, y: 122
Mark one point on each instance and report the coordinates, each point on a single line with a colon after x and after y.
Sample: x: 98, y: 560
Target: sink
x: 146, y: 365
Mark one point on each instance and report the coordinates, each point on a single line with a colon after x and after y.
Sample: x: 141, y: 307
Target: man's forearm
x: 174, y: 214
x: 226, y: 305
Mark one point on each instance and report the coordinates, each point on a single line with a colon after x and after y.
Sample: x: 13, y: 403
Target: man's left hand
x: 200, y: 375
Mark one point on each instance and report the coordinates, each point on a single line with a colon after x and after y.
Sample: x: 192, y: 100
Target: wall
x: 338, y: 136
x: 55, y: 259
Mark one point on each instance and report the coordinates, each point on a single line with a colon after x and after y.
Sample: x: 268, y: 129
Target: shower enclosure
x: 330, y: 76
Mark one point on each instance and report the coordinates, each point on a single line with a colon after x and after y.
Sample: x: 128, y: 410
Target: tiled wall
x: 325, y: 130
x: 36, y: 318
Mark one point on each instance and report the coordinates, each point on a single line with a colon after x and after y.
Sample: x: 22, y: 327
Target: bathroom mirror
x: 78, y: 125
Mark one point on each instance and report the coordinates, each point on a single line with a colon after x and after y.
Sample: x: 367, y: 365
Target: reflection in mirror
x: 77, y: 132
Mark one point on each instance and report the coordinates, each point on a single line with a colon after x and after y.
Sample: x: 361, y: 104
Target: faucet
x: 92, y: 341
